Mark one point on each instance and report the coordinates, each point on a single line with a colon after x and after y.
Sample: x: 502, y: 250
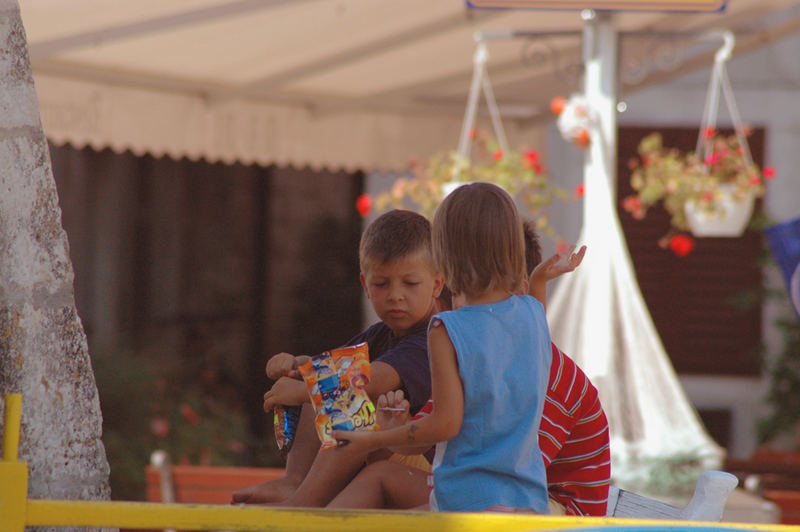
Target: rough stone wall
x: 43, y: 349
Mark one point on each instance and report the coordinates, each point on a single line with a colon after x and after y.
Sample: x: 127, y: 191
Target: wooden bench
x: 199, y: 484
x: 214, y: 485
x: 775, y: 476
x: 770, y: 471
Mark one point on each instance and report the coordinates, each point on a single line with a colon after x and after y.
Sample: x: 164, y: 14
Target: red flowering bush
x: 520, y: 173
x: 149, y: 403
x: 666, y: 175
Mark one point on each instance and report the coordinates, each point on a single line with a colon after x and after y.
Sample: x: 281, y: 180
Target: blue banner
x: 784, y: 240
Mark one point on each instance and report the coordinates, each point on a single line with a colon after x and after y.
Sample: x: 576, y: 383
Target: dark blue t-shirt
x: 408, y: 355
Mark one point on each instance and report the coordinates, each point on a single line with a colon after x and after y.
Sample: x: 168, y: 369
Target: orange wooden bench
x: 777, y: 478
x: 789, y: 503
x: 200, y: 484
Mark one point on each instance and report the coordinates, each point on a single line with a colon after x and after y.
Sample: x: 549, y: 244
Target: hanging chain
x: 721, y: 83
x: 480, y: 80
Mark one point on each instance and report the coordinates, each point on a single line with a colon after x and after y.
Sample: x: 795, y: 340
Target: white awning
x: 336, y: 83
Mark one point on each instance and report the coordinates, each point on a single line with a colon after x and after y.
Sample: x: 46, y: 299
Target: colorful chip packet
x: 336, y: 380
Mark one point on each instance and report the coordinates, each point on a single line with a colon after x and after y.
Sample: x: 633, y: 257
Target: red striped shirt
x: 573, y: 437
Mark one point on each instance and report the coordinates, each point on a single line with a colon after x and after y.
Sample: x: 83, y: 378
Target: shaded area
x: 188, y: 275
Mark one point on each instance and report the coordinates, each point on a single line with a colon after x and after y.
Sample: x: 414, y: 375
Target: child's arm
x: 550, y: 269
x: 286, y: 391
x: 289, y: 389
x: 445, y: 420
x: 383, y: 379
x: 285, y: 365
x: 392, y: 411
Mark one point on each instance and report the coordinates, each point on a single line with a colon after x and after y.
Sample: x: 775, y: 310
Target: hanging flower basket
x: 712, y: 197
x: 729, y: 219
x: 710, y: 191
x: 520, y: 173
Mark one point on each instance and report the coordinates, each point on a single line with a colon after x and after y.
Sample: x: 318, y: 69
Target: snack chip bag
x: 336, y: 381
x: 285, y: 427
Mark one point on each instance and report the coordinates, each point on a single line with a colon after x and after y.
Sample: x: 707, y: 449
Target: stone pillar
x: 43, y: 350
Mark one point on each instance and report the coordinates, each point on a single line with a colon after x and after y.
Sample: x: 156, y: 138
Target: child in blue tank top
x: 489, y: 364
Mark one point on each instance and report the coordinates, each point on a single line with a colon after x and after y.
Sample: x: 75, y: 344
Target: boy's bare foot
x: 271, y: 491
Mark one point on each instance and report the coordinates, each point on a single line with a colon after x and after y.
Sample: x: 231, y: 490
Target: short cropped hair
x: 533, y: 246
x: 477, y: 240
x: 394, y: 235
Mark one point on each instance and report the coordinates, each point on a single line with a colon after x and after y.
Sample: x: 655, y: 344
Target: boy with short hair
x: 399, y: 278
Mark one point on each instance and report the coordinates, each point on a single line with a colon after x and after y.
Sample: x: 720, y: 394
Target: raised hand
x: 558, y: 264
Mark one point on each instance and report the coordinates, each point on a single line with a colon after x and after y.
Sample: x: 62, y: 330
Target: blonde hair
x: 477, y: 240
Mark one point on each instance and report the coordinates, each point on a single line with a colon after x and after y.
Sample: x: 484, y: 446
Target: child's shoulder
x: 380, y: 332
x: 531, y: 302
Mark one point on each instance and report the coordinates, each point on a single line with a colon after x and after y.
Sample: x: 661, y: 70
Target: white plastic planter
x: 730, y: 220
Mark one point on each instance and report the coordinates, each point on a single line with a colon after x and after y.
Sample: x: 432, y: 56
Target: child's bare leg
x: 298, y: 463
x: 385, y: 485
x: 331, y: 471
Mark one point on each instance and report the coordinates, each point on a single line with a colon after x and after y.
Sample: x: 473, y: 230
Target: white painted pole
x: 600, y: 50
x: 599, y: 177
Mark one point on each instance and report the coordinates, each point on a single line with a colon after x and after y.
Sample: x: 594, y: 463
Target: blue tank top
x: 503, y: 352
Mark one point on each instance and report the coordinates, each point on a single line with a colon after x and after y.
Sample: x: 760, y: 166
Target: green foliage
x: 783, y: 367
x: 152, y: 404
x: 784, y: 379
x: 674, y: 476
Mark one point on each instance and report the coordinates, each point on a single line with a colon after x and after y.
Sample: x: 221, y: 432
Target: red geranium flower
x: 364, y: 205
x: 714, y: 158
x: 768, y: 172
x: 632, y: 204
x: 189, y: 413
x: 497, y: 155
x: 160, y: 427
x: 557, y: 105
x: 531, y: 158
x: 709, y: 132
x: 580, y: 190
x: 681, y: 245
